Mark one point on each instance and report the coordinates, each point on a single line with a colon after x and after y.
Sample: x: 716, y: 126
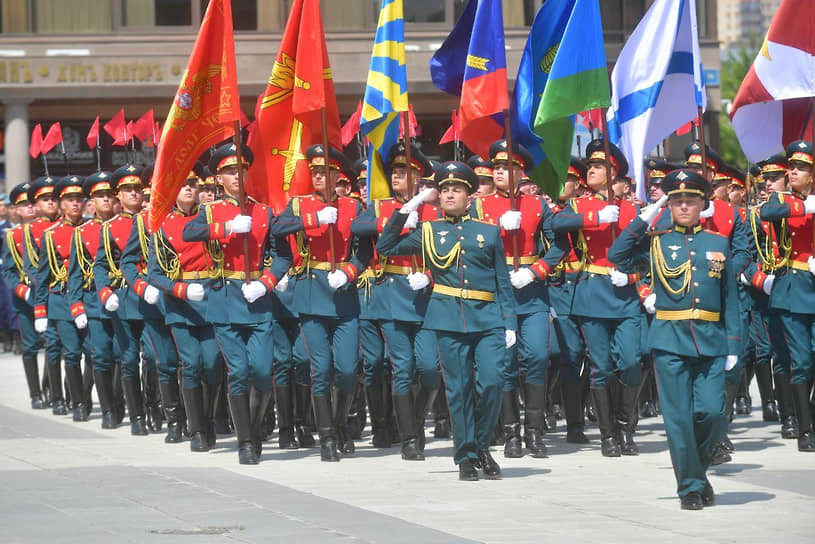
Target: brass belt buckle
x: 465, y: 294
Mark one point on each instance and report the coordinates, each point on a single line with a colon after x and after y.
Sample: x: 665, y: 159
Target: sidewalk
x: 71, y: 482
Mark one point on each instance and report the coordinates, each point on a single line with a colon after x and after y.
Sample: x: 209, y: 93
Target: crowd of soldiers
x: 467, y: 278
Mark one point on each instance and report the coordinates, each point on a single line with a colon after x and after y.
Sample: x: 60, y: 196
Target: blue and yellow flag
x: 385, y: 95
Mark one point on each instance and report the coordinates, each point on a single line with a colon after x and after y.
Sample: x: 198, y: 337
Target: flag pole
x: 98, y: 152
x: 242, y: 196
x: 512, y: 202
x: 329, y: 190
x: 408, y: 171
x: 607, y: 150
x: 702, y: 140
x: 65, y: 158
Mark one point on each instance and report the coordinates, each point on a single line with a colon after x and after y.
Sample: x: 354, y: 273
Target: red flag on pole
x: 204, y: 110
x: 143, y: 127
x: 36, y: 142
x: 288, y: 112
x: 687, y: 127
x: 51, y: 139
x: 93, y: 134
x: 592, y: 119
x: 452, y: 131
x: 351, y: 127
x: 117, y: 128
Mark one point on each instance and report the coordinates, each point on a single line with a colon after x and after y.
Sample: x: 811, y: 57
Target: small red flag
x: 51, y: 139
x: 117, y: 128
x: 143, y: 127
x: 453, y: 131
x: 687, y: 127
x: 592, y: 119
x: 351, y: 127
x: 93, y: 134
x: 36, y: 142
x: 415, y: 129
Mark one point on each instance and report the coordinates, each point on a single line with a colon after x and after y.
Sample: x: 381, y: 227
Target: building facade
x: 743, y: 20
x: 71, y: 60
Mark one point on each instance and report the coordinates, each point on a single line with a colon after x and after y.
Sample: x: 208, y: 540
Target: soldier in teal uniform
x: 793, y: 292
x: 403, y: 293
x: 471, y: 309
x: 326, y: 296
x: 22, y: 297
x: 41, y: 193
x: 52, y: 297
x: 238, y: 300
x: 695, y: 334
x: 86, y: 307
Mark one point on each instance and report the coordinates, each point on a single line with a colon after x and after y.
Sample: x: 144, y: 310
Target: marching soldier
x: 471, y: 309
x: 696, y: 331
x: 326, y: 296
x: 483, y: 169
x: 403, y: 291
x: 238, y: 301
x: 207, y: 186
x: 794, y: 289
x: 41, y: 193
x: 22, y: 299
x: 526, y: 232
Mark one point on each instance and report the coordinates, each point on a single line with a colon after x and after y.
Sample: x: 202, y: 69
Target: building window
x: 143, y: 14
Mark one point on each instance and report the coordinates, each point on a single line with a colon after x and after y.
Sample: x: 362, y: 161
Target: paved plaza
x: 64, y: 482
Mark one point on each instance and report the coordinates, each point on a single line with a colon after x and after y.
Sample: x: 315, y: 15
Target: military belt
x: 798, y: 265
x: 597, y: 269
x: 322, y: 265
x: 240, y: 274
x: 693, y: 313
x: 197, y: 275
x: 396, y: 269
x: 466, y: 294
x: 523, y: 259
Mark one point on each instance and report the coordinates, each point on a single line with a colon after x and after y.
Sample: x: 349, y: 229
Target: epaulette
x: 714, y: 232
x: 658, y: 232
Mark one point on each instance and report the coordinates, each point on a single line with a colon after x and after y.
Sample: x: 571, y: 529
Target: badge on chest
x: 715, y: 263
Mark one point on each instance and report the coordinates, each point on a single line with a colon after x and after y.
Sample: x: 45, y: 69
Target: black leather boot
x: 135, y: 406
x: 171, y: 399
x: 731, y: 390
x: 80, y: 409
x: 511, y: 424
x: 55, y: 381
x: 223, y: 419
x: 441, y: 416
x: 32, y: 378
x: 764, y: 379
x: 535, y: 397
x: 345, y: 442
x: 789, y: 423
x: 303, y: 411
x: 572, y: 394
x: 87, y: 384
x: 197, y: 422
x: 118, y: 394
x: 421, y: 404
x: 376, y: 410
x: 490, y: 467
x: 104, y: 390
x: 154, y: 417
x: 605, y: 419
x: 806, y: 436
x: 405, y: 411
x: 239, y: 406
x: 210, y: 397
x: 285, y: 417
x: 258, y: 405
x: 46, y: 385
x: 628, y: 415
x: 325, y: 428
x: 743, y: 400
x: 357, y: 413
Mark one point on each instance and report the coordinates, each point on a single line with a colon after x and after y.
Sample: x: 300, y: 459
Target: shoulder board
x: 658, y: 232
x: 720, y: 235
x: 54, y: 226
x: 112, y: 219
x: 482, y: 222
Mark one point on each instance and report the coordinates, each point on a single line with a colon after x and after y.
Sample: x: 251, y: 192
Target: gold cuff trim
x: 679, y: 315
x: 466, y: 294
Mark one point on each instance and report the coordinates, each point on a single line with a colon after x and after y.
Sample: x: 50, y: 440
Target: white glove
x: 112, y: 303
x: 40, y: 324
x: 767, y: 286
x: 609, y: 214
x: 510, y: 338
x: 650, y: 303
x: 81, y: 321
x: 27, y: 295
x: 327, y: 216
x: 730, y: 362
x: 413, y: 204
x: 811, y: 263
x: 744, y: 280
x: 552, y: 313
x: 650, y: 212
x: 150, y: 294
x: 521, y: 278
x: 253, y: 290
x: 412, y: 220
x: 511, y: 220
x: 618, y: 278
x: 337, y: 279
x: 240, y: 224
x: 282, y: 284
x: 195, y: 292
x: 809, y: 204
x: 418, y: 280
x: 708, y: 212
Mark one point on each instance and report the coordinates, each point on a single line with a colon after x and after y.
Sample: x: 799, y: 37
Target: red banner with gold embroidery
x: 288, y: 113
x: 204, y: 109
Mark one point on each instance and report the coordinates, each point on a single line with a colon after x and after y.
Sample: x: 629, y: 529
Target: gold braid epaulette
x: 429, y: 249
x: 581, y: 247
x: 661, y: 270
x: 85, y: 265
x: 303, y: 248
x: 213, y: 247
x: 114, y: 274
x: 31, y: 249
x: 144, y: 238
x: 59, y: 275
x: 766, y: 255
x: 170, y: 266
x: 16, y: 256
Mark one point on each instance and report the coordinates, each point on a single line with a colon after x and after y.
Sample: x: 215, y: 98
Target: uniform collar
x: 67, y: 222
x: 454, y: 219
x: 598, y: 196
x: 688, y: 230
x: 126, y: 215
x: 231, y: 200
x: 179, y: 212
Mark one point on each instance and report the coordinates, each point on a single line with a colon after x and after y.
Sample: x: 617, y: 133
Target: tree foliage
x: 735, y: 64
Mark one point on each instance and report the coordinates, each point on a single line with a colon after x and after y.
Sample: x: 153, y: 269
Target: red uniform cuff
x: 540, y: 269
x: 180, y: 290
x: 40, y: 311
x: 758, y: 279
x: 350, y: 271
x: 633, y: 278
x: 217, y: 231
x: 591, y: 219
x: 797, y: 207
x: 104, y: 294
x: 269, y: 280
x: 77, y: 308
x: 644, y: 291
x: 21, y: 290
x: 139, y: 287
x: 310, y: 221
